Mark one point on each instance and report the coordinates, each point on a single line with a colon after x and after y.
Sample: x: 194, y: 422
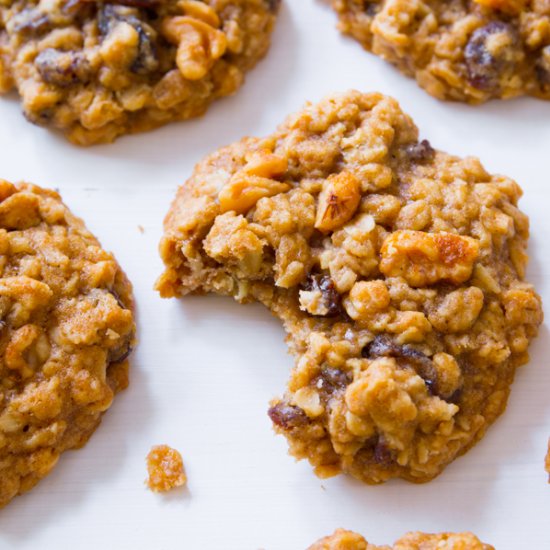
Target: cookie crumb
x: 547, y: 461
x: 165, y: 468
x: 141, y: 229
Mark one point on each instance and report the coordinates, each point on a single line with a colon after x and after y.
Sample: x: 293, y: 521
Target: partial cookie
x: 348, y: 540
x: 396, y: 269
x: 97, y: 70
x: 66, y: 330
x: 462, y: 50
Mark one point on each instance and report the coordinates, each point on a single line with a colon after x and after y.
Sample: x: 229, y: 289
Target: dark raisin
x: 375, y: 450
x: 372, y: 7
x: 273, y: 5
x: 109, y: 16
x: 383, y: 455
x: 62, y: 68
x: 331, y: 381
x: 120, y: 354
x: 41, y: 118
x: 421, y: 151
x: 117, y: 298
x: 31, y: 22
x: 485, y: 69
x: 332, y: 301
x: 287, y: 416
x: 384, y: 346
x: 543, y: 67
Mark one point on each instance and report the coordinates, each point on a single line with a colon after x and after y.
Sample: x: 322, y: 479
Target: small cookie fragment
x: 461, y: 51
x: 97, y: 70
x: 66, y: 331
x: 396, y: 269
x: 547, y: 461
x: 165, y: 468
x: 348, y: 540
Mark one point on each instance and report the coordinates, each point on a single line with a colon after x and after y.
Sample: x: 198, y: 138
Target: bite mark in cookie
x: 66, y: 331
x: 407, y: 314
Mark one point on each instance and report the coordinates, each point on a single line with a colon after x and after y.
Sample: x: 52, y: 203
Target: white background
x: 206, y: 368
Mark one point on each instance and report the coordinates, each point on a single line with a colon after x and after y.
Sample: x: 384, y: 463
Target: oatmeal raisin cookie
x: 98, y: 69
x: 396, y: 269
x: 66, y: 330
x: 462, y: 50
x: 348, y: 540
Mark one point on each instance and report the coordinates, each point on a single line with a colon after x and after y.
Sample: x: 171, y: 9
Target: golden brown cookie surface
x: 97, y: 70
x: 348, y: 540
x: 66, y: 329
x: 462, y: 50
x: 397, y: 271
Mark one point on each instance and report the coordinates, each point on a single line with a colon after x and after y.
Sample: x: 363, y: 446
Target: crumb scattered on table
x: 165, y: 468
x: 547, y: 461
x: 141, y: 229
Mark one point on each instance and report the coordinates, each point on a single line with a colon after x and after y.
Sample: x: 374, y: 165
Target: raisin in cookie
x: 397, y: 271
x: 66, y: 329
x: 348, y: 540
x: 463, y: 50
x: 96, y: 70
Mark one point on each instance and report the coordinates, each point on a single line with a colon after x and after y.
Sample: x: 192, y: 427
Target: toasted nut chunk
x: 253, y: 182
x: 199, y: 45
x: 200, y: 10
x: 165, y: 468
x: 511, y: 7
x: 426, y: 258
x: 338, y: 201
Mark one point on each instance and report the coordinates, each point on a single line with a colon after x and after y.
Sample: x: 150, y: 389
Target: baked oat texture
x: 165, y: 469
x: 348, y: 540
x: 462, y: 50
x: 396, y: 269
x: 96, y: 70
x: 66, y: 329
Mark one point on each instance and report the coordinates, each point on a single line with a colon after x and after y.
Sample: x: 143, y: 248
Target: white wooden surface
x: 207, y: 367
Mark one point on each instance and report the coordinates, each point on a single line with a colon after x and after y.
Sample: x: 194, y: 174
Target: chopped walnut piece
x: 200, y: 10
x: 199, y: 44
x: 338, y: 201
x: 254, y: 182
x: 165, y: 468
x: 427, y: 258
